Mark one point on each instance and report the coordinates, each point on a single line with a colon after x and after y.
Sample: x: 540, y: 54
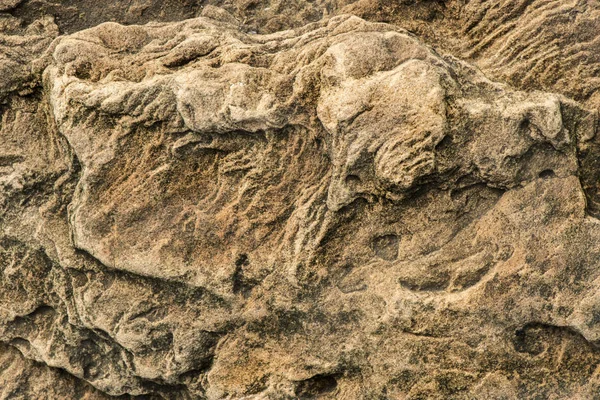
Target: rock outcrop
x: 214, y: 208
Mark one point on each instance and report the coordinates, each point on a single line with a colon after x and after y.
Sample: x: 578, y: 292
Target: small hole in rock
x: 445, y: 143
x: 547, y: 174
x: 20, y: 343
x: 315, y: 386
x: 528, y: 127
x: 527, y: 340
x: 83, y: 71
x: 353, y: 180
x: 525, y: 124
x: 386, y: 247
x: 242, y: 260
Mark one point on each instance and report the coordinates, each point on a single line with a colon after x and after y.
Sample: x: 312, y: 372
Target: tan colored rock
x: 24, y: 379
x: 192, y: 210
x: 9, y: 4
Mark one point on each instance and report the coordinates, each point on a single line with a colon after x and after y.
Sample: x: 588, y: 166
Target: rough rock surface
x: 305, y: 199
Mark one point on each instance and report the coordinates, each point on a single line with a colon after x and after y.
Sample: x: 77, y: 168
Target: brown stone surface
x: 252, y: 199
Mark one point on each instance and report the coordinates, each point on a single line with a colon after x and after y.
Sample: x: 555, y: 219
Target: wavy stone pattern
x: 192, y: 210
x: 546, y: 44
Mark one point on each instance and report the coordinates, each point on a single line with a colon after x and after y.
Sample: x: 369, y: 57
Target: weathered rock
x: 192, y: 210
x: 22, y: 378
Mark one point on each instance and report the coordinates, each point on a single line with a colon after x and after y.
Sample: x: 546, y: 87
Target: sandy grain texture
x: 312, y: 199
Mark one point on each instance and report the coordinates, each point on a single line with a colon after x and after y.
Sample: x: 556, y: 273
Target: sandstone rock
x: 9, y: 4
x: 206, y: 208
x: 23, y: 378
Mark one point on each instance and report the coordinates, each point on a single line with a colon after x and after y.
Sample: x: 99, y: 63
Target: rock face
x: 214, y: 208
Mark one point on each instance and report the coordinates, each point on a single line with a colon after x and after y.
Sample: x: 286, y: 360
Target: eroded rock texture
x: 206, y: 206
